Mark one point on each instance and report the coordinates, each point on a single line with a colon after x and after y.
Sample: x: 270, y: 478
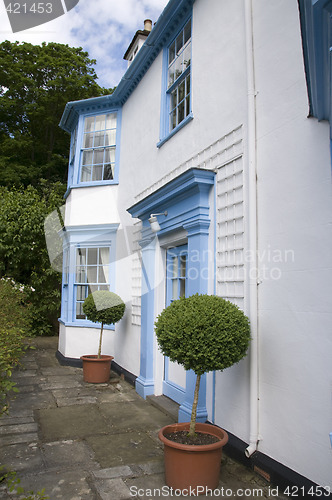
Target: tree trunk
x: 194, y: 408
x: 100, y: 340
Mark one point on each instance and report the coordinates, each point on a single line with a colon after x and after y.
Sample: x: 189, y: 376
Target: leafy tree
x: 36, y: 82
x: 23, y: 252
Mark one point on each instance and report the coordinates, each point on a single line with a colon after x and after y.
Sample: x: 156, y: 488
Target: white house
x: 220, y: 129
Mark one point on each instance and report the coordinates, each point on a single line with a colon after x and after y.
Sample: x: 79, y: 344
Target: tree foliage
x: 23, y: 252
x: 203, y: 333
x: 36, y: 82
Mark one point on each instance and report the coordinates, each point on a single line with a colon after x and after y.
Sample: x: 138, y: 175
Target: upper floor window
x: 98, y: 148
x: 177, y: 103
x: 179, y: 59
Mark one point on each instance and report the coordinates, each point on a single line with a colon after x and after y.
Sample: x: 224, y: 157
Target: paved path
x: 83, y: 441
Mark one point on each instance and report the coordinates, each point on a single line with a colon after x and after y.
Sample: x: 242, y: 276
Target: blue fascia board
x: 178, y: 188
x: 164, y: 28
x: 315, y: 16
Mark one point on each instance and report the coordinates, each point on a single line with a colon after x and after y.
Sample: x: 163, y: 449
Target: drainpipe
x: 252, y: 228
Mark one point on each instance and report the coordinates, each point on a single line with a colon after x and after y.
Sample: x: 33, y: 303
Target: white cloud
x: 104, y: 28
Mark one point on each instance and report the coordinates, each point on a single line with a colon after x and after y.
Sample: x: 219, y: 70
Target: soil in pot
x: 200, y: 438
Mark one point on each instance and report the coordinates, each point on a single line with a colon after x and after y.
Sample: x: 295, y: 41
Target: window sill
x: 175, y: 130
x: 81, y: 323
x: 90, y: 184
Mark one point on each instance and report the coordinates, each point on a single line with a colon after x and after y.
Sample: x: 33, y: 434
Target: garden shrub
x: 14, y: 328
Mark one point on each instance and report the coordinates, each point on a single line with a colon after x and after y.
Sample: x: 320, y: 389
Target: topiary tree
x: 103, y: 307
x: 203, y: 333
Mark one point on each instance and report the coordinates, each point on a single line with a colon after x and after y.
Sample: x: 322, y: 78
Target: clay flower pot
x: 96, y: 370
x: 191, y: 467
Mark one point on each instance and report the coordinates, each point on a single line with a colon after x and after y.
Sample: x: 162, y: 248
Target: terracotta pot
x: 188, y: 467
x: 96, y: 370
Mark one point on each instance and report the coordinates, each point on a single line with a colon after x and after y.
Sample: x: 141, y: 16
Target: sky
x: 103, y: 28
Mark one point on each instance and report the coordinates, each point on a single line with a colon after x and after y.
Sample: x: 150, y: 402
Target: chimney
x: 147, y: 25
x: 137, y: 42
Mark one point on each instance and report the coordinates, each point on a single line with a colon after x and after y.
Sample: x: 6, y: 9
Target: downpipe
x: 252, y: 224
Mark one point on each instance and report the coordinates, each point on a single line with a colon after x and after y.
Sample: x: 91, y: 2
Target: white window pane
x: 99, y: 139
x: 109, y: 155
x: 89, y: 123
x: 171, y: 75
x: 174, y: 289
x: 104, y: 259
x: 178, y: 69
x: 180, y: 112
x: 87, y: 157
x: 88, y: 141
x: 110, y: 137
x: 181, y: 91
x: 86, y: 174
x: 81, y: 256
x: 179, y: 43
x: 92, y: 256
x: 111, y: 120
x: 81, y: 275
x: 92, y: 274
x: 186, y: 57
x: 171, y: 53
x: 104, y: 255
x: 173, y: 119
x: 97, y: 173
x: 175, y: 265
x: 81, y: 293
x: 98, y: 157
x: 187, y: 31
x: 100, y: 122
x: 79, y: 311
x: 183, y: 265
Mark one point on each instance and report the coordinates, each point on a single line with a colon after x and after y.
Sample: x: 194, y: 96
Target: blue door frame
x: 186, y: 200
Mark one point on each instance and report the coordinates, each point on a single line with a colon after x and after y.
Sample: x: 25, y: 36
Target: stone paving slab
x: 122, y: 449
x: 77, y: 421
x: 84, y: 441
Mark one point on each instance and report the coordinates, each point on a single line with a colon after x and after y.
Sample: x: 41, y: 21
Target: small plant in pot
x: 107, y: 308
x: 203, y: 333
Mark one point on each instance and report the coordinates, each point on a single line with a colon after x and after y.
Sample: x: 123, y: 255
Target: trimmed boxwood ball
x: 103, y: 307
x: 203, y: 333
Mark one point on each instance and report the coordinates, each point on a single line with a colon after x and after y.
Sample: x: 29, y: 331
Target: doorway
x: 174, y: 382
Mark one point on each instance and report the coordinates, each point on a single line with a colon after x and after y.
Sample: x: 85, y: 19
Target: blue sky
x: 104, y: 28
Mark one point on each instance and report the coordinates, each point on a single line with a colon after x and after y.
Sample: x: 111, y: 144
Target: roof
x: 174, y: 13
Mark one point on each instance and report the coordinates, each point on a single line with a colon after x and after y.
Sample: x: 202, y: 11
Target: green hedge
x: 14, y: 328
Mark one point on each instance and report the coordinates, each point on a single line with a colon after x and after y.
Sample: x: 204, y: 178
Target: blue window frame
x: 92, y: 273
x: 176, y: 100
x: 88, y: 265
x: 95, y: 149
x: 98, y: 148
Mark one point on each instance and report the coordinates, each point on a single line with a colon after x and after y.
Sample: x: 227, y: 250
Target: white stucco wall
x: 294, y: 230
x: 87, y: 206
